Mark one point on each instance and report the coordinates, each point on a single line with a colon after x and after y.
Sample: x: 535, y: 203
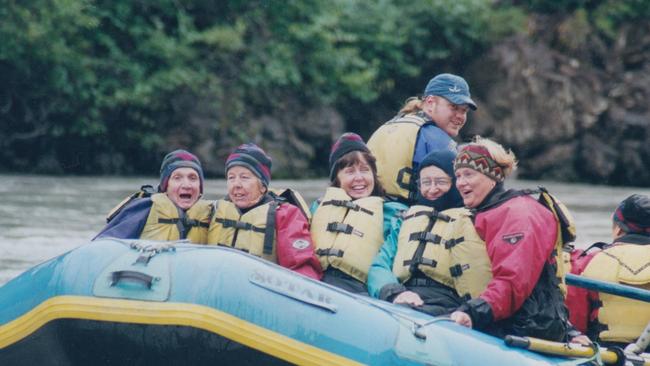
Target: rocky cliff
x: 571, y: 104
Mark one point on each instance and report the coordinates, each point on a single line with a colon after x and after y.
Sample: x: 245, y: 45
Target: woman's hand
x: 408, y: 298
x: 582, y: 340
x: 461, y: 318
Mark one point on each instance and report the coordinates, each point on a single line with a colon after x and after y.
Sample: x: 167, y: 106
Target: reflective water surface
x: 42, y: 216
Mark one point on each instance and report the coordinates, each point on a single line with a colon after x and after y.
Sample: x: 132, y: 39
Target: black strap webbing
x: 425, y: 237
x: 270, y: 228
x: 423, y: 261
x: 431, y: 214
x: 419, y: 251
x: 240, y: 225
x: 453, y: 242
x: 349, y: 205
x: 457, y: 270
x: 339, y: 227
x: 330, y: 252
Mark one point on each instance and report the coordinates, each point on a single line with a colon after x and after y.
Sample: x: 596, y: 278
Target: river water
x: 42, y: 216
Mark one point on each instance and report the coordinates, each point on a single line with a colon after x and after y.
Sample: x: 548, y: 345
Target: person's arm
x: 382, y: 283
x: 129, y: 222
x: 295, y: 249
x: 519, y: 237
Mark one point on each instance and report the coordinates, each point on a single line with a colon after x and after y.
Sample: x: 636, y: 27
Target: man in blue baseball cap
x: 424, y: 124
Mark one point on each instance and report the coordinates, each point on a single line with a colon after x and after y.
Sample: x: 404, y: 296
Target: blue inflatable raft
x: 129, y: 302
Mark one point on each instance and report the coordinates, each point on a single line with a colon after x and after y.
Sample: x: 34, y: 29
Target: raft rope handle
x: 418, y: 328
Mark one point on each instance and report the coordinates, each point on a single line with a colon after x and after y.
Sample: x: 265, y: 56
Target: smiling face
x: 473, y: 186
x: 357, y: 180
x: 245, y: 189
x: 448, y: 116
x: 433, y: 182
x: 184, y: 187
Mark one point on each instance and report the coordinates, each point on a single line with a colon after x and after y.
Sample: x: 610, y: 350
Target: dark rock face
x: 570, y: 109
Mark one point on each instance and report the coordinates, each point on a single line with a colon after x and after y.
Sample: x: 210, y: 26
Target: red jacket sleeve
x: 520, y: 236
x: 578, y: 299
x: 295, y: 249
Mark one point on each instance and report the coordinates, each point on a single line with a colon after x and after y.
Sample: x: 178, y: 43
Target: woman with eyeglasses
x: 402, y: 270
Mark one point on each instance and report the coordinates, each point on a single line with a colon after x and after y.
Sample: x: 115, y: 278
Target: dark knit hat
x: 443, y: 159
x: 348, y: 142
x: 178, y: 159
x: 478, y: 158
x: 254, y: 158
x: 633, y: 214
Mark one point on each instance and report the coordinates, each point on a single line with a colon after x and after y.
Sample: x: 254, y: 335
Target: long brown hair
x: 354, y: 157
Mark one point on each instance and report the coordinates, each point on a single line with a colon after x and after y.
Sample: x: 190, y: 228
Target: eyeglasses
x: 437, y: 182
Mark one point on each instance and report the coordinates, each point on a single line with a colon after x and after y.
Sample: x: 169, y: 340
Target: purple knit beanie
x: 254, y: 158
x: 348, y: 142
x: 178, y: 159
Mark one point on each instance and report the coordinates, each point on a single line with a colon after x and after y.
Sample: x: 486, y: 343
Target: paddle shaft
x: 608, y: 287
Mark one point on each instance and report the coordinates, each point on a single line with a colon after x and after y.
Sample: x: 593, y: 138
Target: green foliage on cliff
x: 98, y: 86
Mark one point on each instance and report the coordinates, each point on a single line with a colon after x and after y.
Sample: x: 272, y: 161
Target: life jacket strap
x: 453, y: 242
x: 425, y: 236
x: 339, y: 227
x: 188, y: 223
x: 423, y: 261
x: 269, y: 233
x: 348, y: 204
x: 457, y: 269
x: 240, y: 225
x: 330, y: 252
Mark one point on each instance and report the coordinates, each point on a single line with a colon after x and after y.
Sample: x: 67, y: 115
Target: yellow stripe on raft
x: 143, y: 312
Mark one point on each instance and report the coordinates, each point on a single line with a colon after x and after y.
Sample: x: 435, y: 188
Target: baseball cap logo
x: 455, y: 89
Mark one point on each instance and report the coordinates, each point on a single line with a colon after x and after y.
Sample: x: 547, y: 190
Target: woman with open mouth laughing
x: 175, y: 212
x: 509, y: 278
x: 351, y: 219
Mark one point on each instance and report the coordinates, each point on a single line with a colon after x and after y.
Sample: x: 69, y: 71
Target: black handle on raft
x: 134, y: 276
x: 519, y: 342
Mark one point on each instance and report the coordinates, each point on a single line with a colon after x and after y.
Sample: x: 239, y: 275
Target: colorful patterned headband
x: 478, y: 158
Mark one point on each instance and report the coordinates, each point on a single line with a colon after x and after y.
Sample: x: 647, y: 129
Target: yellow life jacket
x: 421, y: 246
x: 445, y: 247
x: 348, y: 233
x: 566, y: 234
x: 626, y: 264
x: 293, y: 197
x: 145, y: 191
x: 252, y: 232
x: 395, y: 164
x: 168, y: 222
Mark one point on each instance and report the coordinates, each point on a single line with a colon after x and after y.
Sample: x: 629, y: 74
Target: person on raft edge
x: 175, y: 212
x: 271, y: 224
x: 623, y: 261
